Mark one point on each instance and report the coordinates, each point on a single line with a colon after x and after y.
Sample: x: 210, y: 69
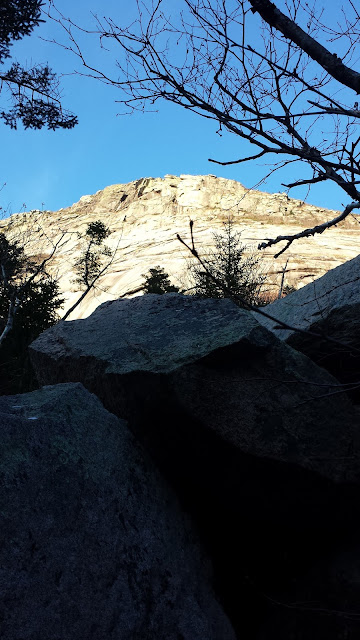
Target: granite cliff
x: 145, y: 215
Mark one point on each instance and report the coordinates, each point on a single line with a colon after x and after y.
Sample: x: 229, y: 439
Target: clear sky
x: 50, y: 170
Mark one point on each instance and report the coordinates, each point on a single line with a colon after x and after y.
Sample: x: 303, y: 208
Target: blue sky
x: 50, y: 170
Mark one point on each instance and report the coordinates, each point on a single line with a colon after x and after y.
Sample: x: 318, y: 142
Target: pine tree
x: 33, y: 93
x: 94, y: 260
x: 158, y: 281
x: 231, y: 271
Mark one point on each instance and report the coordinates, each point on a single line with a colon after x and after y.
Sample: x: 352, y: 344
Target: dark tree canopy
x: 17, y: 19
x: 158, y: 281
x: 33, y: 93
x: 29, y: 301
x: 35, y: 294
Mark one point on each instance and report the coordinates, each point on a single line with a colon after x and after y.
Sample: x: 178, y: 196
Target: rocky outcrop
x: 93, y: 544
x: 329, y: 308
x: 214, y: 363
x: 258, y: 448
x: 145, y: 216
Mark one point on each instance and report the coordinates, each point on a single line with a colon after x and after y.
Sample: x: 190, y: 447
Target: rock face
x: 329, y: 306
x: 157, y: 209
x: 243, y: 428
x: 93, y: 544
x: 216, y: 365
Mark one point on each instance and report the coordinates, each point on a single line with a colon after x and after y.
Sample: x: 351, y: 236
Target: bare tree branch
x: 329, y: 61
x: 255, y: 157
x: 320, y: 228
x: 300, y: 183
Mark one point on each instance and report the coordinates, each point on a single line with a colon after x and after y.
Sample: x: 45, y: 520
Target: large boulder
x: 93, y: 544
x: 329, y: 307
x: 213, y: 363
x: 247, y: 430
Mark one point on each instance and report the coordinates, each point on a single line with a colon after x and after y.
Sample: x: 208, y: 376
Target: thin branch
x: 320, y: 228
x: 283, y: 279
x: 255, y: 157
x: 351, y: 113
x: 300, y: 183
x: 10, y: 318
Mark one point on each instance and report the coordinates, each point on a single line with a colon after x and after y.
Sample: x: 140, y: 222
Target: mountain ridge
x: 145, y: 216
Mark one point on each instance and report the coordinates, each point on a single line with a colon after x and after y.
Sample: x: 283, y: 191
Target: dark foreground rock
x: 249, y: 432
x: 325, y: 603
x: 329, y: 306
x: 207, y: 361
x: 93, y: 544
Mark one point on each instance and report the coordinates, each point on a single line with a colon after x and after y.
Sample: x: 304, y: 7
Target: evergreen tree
x: 90, y: 263
x: 94, y: 260
x: 29, y: 300
x: 230, y: 271
x: 158, y: 281
x: 33, y: 94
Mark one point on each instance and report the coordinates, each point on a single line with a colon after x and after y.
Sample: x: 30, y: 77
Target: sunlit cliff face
x: 145, y: 217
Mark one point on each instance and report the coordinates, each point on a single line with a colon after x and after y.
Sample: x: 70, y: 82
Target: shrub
x: 158, y: 281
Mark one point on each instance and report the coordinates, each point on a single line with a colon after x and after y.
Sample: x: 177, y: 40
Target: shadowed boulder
x: 93, y: 544
x: 247, y: 430
x: 329, y: 306
x: 212, y: 363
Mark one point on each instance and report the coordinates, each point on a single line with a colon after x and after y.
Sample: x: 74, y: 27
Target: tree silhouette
x: 158, y: 281
x: 34, y: 93
x: 94, y: 261
x: 29, y: 301
x: 236, y: 272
